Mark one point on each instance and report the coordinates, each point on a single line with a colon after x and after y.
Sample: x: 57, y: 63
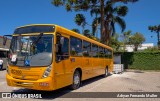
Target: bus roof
x: 35, y: 25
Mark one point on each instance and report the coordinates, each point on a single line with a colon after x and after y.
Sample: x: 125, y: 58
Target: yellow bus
x: 48, y: 57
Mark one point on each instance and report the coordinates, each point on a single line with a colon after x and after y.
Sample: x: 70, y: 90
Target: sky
x: 15, y: 13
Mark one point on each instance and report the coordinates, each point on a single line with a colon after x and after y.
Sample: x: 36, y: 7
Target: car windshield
x: 31, y: 50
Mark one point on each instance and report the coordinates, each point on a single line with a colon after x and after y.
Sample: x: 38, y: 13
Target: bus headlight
x: 47, y: 72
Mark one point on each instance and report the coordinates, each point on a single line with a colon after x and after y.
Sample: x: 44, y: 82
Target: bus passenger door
x: 63, y: 71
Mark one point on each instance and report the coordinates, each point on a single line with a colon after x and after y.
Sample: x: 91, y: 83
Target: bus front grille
x: 24, y: 84
x: 27, y: 77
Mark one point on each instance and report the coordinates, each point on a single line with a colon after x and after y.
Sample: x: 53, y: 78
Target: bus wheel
x: 106, y: 72
x: 76, y: 80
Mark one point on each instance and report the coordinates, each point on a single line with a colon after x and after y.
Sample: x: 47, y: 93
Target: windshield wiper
x: 26, y: 61
x: 37, y: 40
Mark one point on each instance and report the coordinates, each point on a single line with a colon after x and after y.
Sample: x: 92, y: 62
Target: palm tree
x: 114, y: 42
x: 126, y: 36
x: 75, y: 30
x: 157, y: 30
x: 80, y: 21
x: 107, y: 13
x: 96, y: 21
x: 112, y: 15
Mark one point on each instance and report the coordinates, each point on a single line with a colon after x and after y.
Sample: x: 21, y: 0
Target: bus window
x: 106, y: 53
x: 75, y: 46
x: 65, y: 48
x: 94, y: 50
x: 100, y: 51
x: 63, y: 52
x: 110, y: 54
x: 86, y: 49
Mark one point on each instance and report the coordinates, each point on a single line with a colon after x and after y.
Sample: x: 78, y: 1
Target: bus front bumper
x: 45, y: 84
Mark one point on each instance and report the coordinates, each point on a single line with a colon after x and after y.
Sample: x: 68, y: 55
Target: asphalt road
x: 130, y: 81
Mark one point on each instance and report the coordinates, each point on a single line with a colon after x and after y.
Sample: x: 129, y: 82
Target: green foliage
x: 152, y: 49
x: 115, y: 43
x: 112, y: 16
x: 141, y: 60
x: 157, y: 30
x: 75, y: 30
x: 154, y: 28
x: 79, y: 19
x: 76, y: 5
x: 122, y: 10
x: 88, y: 34
x: 136, y: 40
x: 126, y: 36
x: 109, y: 16
x: 86, y: 31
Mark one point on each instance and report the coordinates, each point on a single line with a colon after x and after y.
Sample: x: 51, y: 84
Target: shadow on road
x: 2, y: 69
x: 86, y: 82
x: 60, y: 93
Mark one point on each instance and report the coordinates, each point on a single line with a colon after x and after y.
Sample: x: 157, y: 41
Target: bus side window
x: 94, y: 50
x: 106, y: 53
x: 63, y: 52
x: 75, y: 46
x: 86, y: 49
x: 65, y: 48
x: 100, y: 51
x: 110, y: 54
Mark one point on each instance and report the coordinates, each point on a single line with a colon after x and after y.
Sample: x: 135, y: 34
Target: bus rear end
x: 30, y: 58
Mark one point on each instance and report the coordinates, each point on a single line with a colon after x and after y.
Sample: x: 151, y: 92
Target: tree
x: 75, y: 30
x: 137, y: 39
x: 112, y: 15
x: 80, y: 21
x: 106, y: 11
x: 115, y: 43
x: 88, y: 34
x: 157, y: 30
x: 126, y: 36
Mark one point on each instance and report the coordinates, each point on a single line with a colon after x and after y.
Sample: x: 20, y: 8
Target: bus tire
x: 76, y: 80
x: 106, y: 72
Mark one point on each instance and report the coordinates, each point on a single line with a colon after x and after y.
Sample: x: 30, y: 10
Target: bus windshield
x: 31, y: 50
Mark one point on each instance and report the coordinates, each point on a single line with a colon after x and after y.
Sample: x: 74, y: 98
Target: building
x: 4, y: 49
x: 130, y: 48
x: 7, y: 43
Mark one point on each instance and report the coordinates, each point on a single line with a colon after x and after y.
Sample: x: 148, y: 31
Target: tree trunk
x: 158, y: 43
x: 102, y: 21
x: 135, y: 47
